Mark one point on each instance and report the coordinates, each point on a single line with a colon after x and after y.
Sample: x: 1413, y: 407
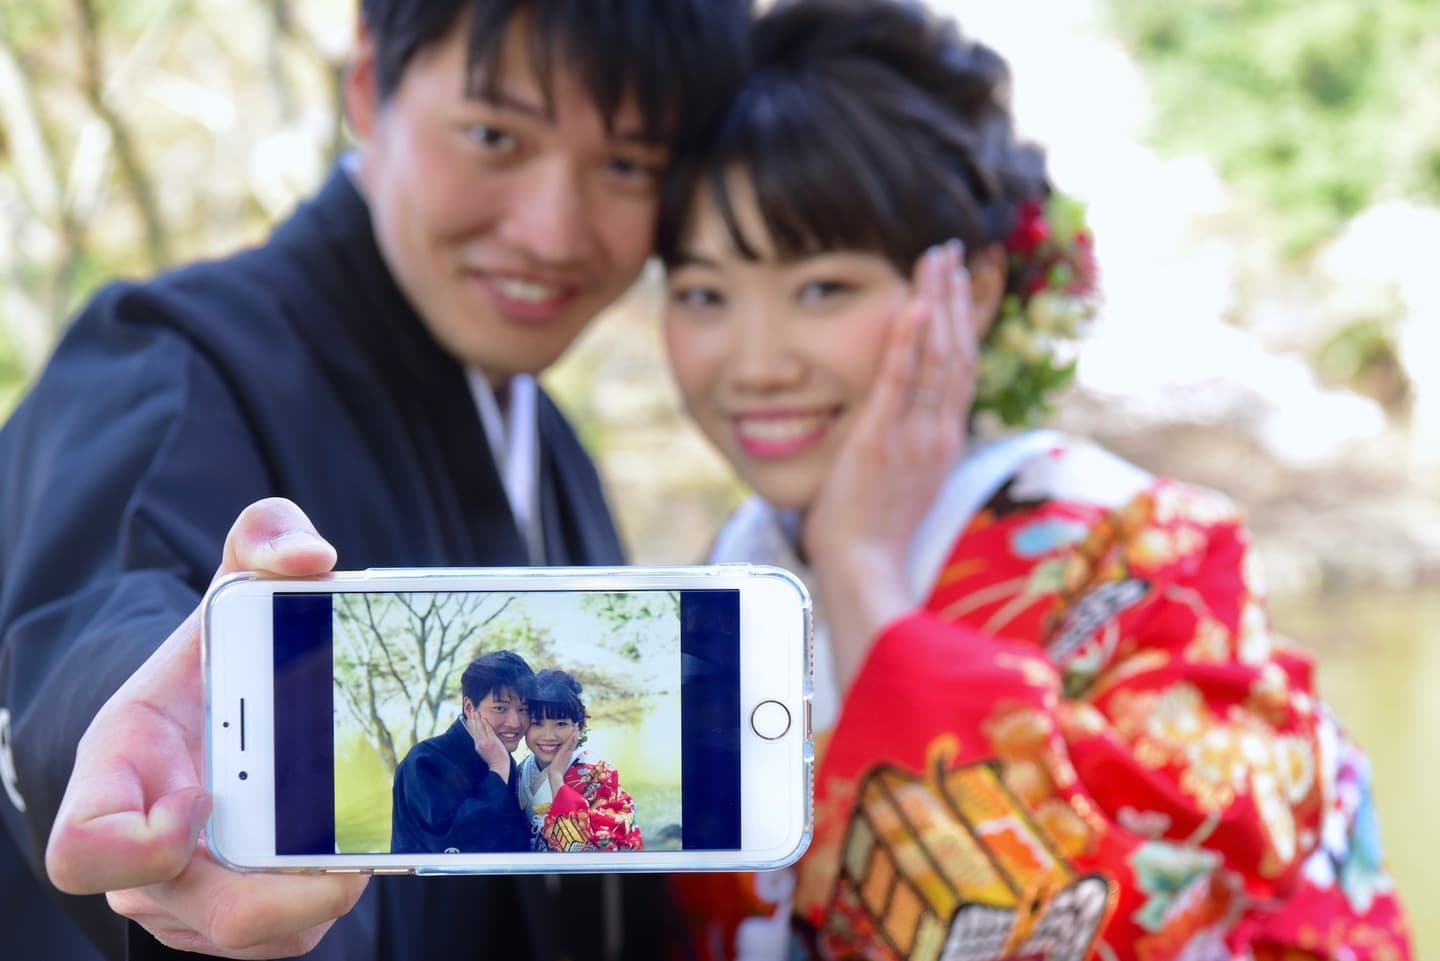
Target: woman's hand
x: 907, y: 435
x: 559, y: 764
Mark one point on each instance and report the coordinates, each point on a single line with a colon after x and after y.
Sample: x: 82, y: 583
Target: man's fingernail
x: 293, y: 541
x: 199, y: 814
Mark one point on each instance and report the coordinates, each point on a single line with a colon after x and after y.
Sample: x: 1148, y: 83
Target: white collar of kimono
x: 759, y: 534
x: 757, y: 528
x: 514, y: 438
x: 540, y: 793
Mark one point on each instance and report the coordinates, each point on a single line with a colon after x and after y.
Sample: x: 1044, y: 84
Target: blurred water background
x: 1263, y: 178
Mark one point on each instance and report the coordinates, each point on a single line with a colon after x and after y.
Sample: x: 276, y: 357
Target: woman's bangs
x: 568, y: 710
x: 812, y: 182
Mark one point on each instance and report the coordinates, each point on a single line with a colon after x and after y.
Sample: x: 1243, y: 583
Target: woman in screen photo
x: 1051, y: 717
x: 574, y: 803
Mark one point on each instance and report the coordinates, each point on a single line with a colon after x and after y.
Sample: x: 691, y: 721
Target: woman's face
x: 774, y: 358
x: 545, y: 737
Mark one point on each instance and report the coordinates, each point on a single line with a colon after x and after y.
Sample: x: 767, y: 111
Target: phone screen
x: 374, y: 733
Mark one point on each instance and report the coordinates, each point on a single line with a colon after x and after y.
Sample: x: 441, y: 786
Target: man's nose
x: 548, y: 218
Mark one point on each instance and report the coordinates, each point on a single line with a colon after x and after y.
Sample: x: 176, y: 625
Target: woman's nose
x: 763, y: 358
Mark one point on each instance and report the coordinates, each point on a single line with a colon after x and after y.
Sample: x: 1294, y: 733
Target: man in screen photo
x: 457, y: 792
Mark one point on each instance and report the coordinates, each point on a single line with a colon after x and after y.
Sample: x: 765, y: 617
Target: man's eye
x: 633, y: 172
x: 490, y: 138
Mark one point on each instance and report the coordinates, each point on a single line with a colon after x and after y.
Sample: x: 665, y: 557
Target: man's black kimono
x: 448, y: 799
x: 295, y: 369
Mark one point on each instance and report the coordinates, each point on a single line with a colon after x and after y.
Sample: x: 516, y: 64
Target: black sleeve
x: 446, y: 807
x: 120, y: 475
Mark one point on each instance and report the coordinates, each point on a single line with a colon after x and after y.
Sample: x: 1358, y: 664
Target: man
x: 458, y: 791
x: 370, y: 362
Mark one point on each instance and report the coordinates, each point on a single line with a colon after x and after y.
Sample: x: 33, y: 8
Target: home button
x: 770, y: 720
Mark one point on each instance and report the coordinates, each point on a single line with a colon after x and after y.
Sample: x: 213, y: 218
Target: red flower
x: 1031, y: 229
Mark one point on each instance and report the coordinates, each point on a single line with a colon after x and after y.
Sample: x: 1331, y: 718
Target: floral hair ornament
x: 1029, y: 354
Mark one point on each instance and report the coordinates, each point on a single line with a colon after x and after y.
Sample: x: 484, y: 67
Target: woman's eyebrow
x: 688, y: 258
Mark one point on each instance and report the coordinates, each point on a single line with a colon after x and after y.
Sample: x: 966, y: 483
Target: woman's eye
x: 491, y: 139
x: 820, y: 290
x: 696, y: 298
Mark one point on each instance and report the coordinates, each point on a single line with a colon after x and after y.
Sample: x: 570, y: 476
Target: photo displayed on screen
x: 484, y: 722
x: 507, y: 722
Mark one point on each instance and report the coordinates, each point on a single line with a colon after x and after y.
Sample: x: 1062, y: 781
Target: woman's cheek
x: 693, y: 359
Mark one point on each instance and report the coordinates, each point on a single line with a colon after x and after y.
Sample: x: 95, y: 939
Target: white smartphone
x: 442, y: 721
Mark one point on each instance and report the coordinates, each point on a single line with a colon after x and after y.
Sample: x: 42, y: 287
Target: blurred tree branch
x: 32, y: 322
x: 132, y: 169
x: 287, y: 30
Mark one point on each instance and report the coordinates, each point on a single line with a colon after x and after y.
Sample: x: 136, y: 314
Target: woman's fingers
x: 965, y: 357
x: 890, y: 394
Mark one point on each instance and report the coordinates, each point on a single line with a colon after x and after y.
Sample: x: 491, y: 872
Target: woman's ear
x: 988, y: 271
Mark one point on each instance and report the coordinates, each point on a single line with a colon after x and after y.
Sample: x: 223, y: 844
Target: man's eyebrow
x: 499, y: 98
x: 539, y: 111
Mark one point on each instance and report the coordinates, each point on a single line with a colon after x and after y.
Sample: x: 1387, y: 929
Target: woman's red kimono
x: 1088, y: 742
x: 591, y: 812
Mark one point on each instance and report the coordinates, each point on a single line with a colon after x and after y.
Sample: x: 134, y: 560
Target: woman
x: 1052, y: 720
x: 574, y: 804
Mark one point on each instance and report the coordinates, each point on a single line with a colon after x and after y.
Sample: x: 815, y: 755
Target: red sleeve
x: 1176, y: 714
x: 926, y: 677
x: 1192, y: 712
x: 592, y: 812
x: 568, y: 801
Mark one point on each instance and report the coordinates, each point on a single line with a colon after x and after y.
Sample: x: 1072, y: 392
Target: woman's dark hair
x: 679, y: 59
x: 495, y: 673
x: 865, y: 125
x: 557, y: 697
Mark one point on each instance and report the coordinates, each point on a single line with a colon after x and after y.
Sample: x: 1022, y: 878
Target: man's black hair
x: 680, y: 60
x: 495, y: 673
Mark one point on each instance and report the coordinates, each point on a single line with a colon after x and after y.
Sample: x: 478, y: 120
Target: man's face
x: 506, y: 714
x: 508, y: 226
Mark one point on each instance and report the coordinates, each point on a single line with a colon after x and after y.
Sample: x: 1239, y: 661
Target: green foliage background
x: 1317, y: 108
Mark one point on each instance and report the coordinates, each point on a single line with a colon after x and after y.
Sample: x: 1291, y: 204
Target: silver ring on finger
x: 924, y: 397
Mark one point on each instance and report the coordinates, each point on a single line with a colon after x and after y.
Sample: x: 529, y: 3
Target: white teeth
x: 779, y: 429
x: 526, y: 290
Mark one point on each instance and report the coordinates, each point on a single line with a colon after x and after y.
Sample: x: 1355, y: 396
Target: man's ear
x: 988, y: 270
x: 467, y: 707
x: 362, y: 86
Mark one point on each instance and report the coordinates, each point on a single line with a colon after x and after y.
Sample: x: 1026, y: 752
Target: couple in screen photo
x: 462, y: 791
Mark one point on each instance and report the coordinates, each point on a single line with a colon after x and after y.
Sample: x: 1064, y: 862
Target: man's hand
x: 489, y: 746
x: 131, y: 820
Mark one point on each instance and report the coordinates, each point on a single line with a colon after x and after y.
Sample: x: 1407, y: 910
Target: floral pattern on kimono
x: 1087, y: 741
